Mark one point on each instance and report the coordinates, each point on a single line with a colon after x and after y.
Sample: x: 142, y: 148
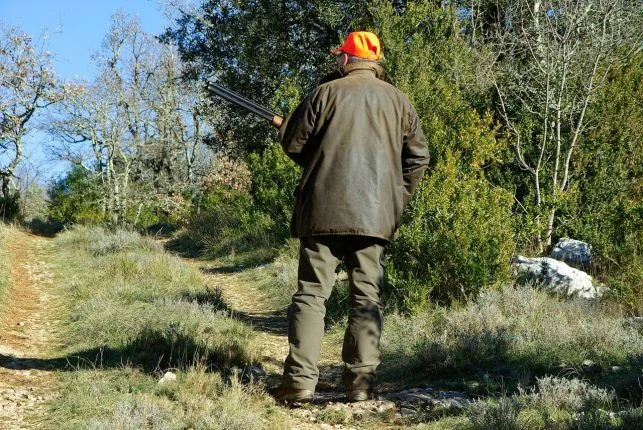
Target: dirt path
x: 251, y: 306
x: 249, y: 303
x: 28, y: 332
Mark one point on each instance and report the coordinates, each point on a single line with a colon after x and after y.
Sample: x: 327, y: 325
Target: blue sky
x: 74, y: 29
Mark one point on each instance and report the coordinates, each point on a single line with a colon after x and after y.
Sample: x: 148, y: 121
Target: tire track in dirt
x: 251, y: 306
x: 28, y: 333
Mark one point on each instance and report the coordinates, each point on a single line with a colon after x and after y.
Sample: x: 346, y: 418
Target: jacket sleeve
x: 415, y: 156
x: 297, y: 129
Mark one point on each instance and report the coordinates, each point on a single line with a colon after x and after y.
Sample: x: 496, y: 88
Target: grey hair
x: 353, y: 59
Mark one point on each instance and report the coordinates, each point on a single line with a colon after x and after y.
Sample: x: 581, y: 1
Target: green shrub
x: 225, y: 222
x: 608, y: 211
x: 76, y: 198
x: 455, y: 240
x: 274, y: 179
x: 457, y: 234
x: 219, y: 209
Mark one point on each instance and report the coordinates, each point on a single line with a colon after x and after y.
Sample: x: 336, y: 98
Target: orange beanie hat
x: 362, y: 44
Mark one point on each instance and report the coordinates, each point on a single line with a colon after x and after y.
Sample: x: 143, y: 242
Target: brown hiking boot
x: 283, y: 394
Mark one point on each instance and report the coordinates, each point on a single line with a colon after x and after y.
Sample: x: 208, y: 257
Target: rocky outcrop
x: 573, y: 252
x: 556, y: 276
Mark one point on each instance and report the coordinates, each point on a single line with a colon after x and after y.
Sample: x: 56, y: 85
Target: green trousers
x: 318, y: 259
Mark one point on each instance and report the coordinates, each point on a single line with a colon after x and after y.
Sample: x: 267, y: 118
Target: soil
x: 29, y: 334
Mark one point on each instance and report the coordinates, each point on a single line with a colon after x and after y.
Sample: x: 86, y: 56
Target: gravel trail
x: 29, y: 334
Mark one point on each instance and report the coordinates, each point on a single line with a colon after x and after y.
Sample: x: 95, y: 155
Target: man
x: 363, y: 152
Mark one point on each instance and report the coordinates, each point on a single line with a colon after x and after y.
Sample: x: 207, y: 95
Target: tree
x: 257, y: 47
x: 552, y: 59
x: 608, y: 210
x: 27, y: 84
x: 456, y: 237
x: 144, y: 123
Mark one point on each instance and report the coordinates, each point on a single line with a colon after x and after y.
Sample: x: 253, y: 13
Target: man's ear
x: 344, y: 59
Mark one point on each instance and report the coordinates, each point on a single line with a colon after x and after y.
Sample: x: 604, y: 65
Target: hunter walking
x: 363, y: 152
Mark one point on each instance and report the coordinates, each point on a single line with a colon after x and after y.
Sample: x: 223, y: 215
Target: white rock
x: 168, y: 377
x: 590, y: 367
x: 573, y: 252
x: 557, y: 277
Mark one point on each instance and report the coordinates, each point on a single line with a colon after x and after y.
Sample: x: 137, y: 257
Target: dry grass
x: 130, y: 399
x: 5, y: 233
x: 513, y: 330
x: 135, y: 312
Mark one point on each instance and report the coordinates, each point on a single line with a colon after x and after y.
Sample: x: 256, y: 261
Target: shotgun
x: 239, y: 100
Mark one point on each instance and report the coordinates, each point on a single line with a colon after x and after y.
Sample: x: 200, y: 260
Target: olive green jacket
x: 362, y: 150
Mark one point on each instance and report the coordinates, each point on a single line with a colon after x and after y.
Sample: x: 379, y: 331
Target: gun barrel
x: 241, y: 101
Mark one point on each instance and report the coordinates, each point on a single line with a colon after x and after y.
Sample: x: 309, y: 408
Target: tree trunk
x: 5, y: 186
x: 550, y: 227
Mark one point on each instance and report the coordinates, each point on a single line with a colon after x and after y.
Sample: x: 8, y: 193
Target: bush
x: 608, y: 212
x: 225, y: 222
x: 456, y: 239
x: 274, y: 179
x: 556, y: 404
x: 456, y: 235
x: 572, y: 394
x: 75, y: 198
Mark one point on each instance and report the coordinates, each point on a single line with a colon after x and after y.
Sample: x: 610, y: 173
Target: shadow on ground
x: 152, y: 351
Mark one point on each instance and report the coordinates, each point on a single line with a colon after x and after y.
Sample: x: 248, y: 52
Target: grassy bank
x: 529, y: 360
x: 135, y: 312
x: 515, y: 332
x: 5, y: 234
x: 534, y: 361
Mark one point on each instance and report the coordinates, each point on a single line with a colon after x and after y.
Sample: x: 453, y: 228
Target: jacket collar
x: 366, y: 67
